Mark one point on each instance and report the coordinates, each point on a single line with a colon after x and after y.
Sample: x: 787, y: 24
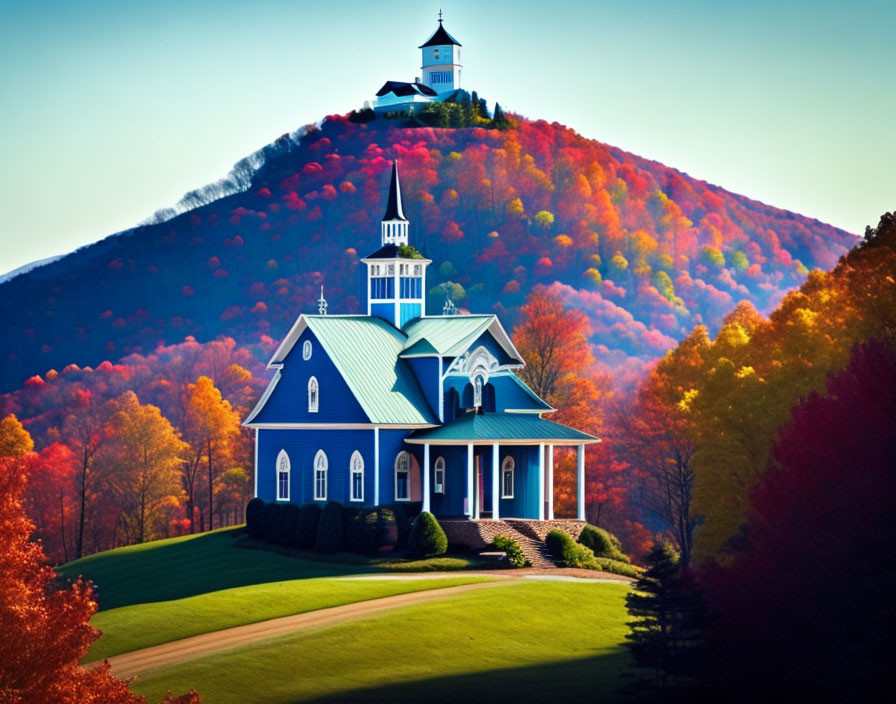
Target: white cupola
x: 441, y: 61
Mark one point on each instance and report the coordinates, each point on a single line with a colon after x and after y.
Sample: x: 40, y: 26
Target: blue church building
x: 397, y: 405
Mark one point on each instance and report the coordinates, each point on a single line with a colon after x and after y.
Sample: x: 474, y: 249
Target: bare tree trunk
x: 211, y: 514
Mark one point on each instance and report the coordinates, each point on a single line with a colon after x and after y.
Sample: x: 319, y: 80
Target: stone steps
x: 478, y: 535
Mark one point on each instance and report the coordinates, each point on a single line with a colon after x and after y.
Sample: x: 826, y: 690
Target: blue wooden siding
x: 301, y: 446
x: 488, y: 341
x: 391, y: 443
x: 426, y: 369
x: 524, y: 503
x: 409, y: 311
x: 289, y: 401
x: 384, y: 310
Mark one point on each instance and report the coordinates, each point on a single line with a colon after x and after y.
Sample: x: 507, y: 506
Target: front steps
x: 478, y: 535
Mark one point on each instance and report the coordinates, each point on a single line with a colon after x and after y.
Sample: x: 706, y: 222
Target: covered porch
x: 496, y: 466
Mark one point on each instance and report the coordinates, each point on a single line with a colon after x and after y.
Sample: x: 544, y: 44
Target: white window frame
x: 355, y: 466
x: 398, y: 457
x: 321, y: 455
x: 508, y: 466
x: 477, y: 391
x: 438, y: 487
x: 278, y: 470
x: 306, y: 350
x: 313, y: 395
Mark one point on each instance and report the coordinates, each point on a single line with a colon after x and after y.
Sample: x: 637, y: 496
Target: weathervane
x: 440, y: 15
x: 322, y: 302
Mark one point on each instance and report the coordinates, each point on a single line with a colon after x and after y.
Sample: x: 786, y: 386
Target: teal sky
x: 111, y: 110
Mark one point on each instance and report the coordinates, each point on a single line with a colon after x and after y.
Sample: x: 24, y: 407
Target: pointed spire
x: 394, y: 210
x: 322, y: 302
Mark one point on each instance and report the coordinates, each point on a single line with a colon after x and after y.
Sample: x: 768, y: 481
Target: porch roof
x: 490, y: 428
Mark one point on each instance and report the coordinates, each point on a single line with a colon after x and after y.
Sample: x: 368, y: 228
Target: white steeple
x: 394, y: 227
x: 441, y: 61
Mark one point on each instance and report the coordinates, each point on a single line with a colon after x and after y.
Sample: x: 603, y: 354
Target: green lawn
x: 142, y: 625
x: 528, y: 641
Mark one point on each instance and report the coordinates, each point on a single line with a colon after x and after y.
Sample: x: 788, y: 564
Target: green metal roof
x: 513, y: 428
x: 449, y: 335
x: 365, y: 351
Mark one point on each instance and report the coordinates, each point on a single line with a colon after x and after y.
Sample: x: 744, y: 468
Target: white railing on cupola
x: 394, y: 232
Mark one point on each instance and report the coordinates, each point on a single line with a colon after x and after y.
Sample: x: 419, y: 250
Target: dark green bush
x: 306, y: 529
x: 289, y: 520
x: 254, y: 509
x: 405, y: 512
x: 427, y: 537
x: 512, y: 549
x: 267, y: 520
x: 602, y: 543
x: 361, y: 534
x: 562, y: 547
x: 330, y: 537
x: 386, y: 530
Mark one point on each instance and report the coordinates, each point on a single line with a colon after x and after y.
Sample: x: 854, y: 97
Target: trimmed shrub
x: 614, y: 567
x: 286, y: 528
x: 427, y: 537
x: 405, y: 513
x: 512, y: 549
x: 330, y: 536
x: 602, y: 543
x: 386, y: 530
x: 254, y: 509
x: 562, y: 547
x: 306, y: 529
x: 361, y: 534
x: 267, y: 519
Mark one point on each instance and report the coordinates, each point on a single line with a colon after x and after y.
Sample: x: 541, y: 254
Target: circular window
x: 306, y: 350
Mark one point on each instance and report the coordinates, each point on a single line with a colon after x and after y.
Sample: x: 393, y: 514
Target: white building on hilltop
x: 439, y: 80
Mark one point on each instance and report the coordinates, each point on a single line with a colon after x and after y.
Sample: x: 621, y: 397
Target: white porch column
x: 541, y: 482
x: 426, y: 477
x: 496, y: 482
x: 580, y: 454
x: 550, y: 482
x: 470, y: 480
x: 376, y: 466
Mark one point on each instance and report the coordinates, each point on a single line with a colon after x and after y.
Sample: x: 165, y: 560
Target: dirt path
x: 137, y: 661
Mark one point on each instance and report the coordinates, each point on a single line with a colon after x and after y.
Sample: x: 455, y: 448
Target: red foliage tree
x: 808, y: 602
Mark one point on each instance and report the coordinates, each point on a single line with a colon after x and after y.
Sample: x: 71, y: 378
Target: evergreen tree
x: 500, y: 121
x: 665, y: 633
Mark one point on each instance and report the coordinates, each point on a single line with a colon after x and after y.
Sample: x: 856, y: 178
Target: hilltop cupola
x: 441, y: 61
x: 396, y: 272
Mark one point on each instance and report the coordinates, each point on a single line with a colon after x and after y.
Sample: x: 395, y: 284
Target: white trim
x: 580, y: 493
x: 307, y: 350
x: 255, y: 486
x: 437, y: 486
x: 395, y: 475
x: 313, y: 395
x: 441, y: 393
x: 426, y: 478
x: 263, y: 400
x: 351, y: 477
x: 468, y: 509
x: 503, y: 441
x: 337, y: 426
x: 541, y: 482
x: 376, y: 466
x: 282, y: 455
x: 496, y: 483
x: 550, y: 482
x: 326, y: 471
x: 512, y: 470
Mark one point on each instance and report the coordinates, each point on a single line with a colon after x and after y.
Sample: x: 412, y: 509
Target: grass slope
x: 195, y: 564
x: 530, y: 641
x: 138, y: 626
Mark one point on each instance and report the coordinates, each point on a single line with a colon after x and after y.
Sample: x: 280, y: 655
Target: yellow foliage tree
x: 15, y: 441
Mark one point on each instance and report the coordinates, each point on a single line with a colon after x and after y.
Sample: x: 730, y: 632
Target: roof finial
x: 449, y: 308
x: 440, y: 15
x: 322, y: 302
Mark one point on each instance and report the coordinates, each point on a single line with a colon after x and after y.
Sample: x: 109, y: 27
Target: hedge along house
x: 397, y: 406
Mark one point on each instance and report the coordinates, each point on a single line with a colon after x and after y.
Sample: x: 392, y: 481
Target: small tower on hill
x: 396, y: 272
x: 441, y: 61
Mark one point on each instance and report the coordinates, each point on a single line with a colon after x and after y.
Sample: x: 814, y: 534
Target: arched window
x: 507, y: 478
x: 356, y: 472
x: 313, y: 394
x: 403, y: 477
x: 306, y: 350
x: 477, y: 392
x: 282, y: 476
x: 439, y: 479
x: 320, y: 476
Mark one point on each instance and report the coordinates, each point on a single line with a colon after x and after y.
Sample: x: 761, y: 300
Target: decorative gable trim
x: 263, y: 400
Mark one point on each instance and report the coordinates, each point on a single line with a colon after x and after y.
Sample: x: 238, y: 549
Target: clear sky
x: 111, y: 110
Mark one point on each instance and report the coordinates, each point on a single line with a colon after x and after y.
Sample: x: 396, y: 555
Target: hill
x: 645, y: 250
